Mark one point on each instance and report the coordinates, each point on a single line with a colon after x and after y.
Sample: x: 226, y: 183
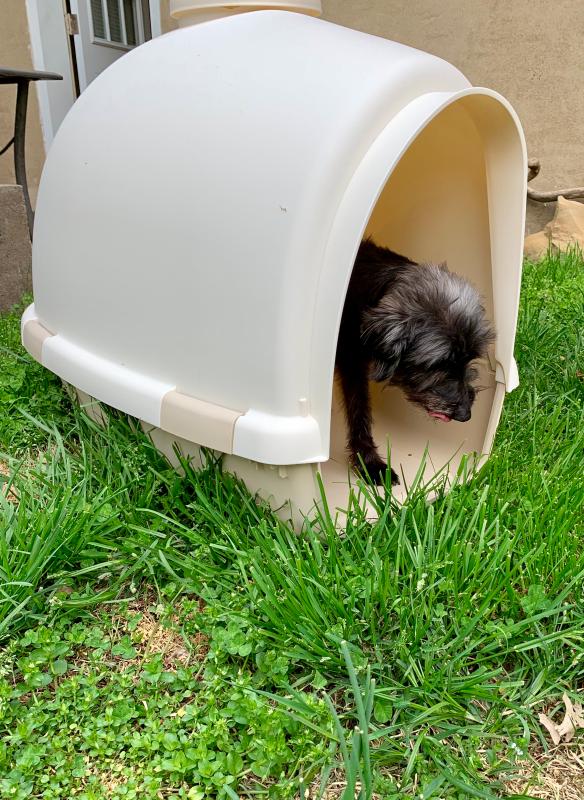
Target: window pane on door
x: 115, y: 22
x: 130, y: 22
x: 97, y: 19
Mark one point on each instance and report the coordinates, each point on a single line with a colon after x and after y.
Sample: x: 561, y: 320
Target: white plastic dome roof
x: 201, y: 208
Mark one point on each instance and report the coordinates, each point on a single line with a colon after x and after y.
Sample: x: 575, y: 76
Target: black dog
x: 418, y: 327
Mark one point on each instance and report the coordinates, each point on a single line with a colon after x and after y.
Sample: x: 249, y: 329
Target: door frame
x: 51, y: 52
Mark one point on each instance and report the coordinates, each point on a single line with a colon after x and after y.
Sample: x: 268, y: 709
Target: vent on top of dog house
x: 199, y: 215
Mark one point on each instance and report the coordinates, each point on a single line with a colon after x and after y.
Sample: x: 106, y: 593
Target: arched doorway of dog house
x: 433, y: 208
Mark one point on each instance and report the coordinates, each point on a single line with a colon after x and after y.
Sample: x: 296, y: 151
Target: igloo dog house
x: 199, y: 215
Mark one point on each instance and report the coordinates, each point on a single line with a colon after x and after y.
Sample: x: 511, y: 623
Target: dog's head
x: 424, y: 335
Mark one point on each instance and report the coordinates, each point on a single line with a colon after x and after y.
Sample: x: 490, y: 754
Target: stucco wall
x: 529, y: 50
x: 15, y: 52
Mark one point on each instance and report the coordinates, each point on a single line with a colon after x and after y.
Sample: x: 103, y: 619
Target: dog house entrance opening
x: 433, y: 208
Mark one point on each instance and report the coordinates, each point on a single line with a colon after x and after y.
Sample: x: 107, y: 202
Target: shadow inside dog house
x: 214, y: 319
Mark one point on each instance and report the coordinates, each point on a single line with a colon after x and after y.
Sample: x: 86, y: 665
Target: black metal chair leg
x: 19, y: 142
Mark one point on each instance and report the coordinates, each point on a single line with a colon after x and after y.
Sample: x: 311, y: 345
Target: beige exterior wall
x: 15, y: 52
x: 529, y: 50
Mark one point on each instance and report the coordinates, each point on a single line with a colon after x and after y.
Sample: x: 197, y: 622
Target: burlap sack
x: 565, y: 230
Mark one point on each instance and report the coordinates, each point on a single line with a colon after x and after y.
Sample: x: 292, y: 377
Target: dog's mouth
x: 439, y: 415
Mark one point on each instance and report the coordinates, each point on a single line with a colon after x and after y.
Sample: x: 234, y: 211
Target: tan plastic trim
x: 494, y: 418
x: 197, y: 421
x: 33, y: 336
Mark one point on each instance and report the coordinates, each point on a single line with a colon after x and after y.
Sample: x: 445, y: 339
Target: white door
x: 107, y: 30
x: 79, y: 57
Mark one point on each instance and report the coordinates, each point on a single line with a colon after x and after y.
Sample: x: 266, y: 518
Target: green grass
x: 24, y: 384
x: 413, y: 653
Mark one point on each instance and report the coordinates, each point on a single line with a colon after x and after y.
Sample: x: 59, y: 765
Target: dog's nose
x: 462, y: 414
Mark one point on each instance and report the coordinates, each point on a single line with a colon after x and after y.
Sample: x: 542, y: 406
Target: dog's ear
x: 386, y: 332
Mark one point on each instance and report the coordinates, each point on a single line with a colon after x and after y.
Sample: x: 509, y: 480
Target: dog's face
x: 446, y: 391
x: 424, y: 337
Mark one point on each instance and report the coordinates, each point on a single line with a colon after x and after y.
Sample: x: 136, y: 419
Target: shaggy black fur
x: 416, y: 326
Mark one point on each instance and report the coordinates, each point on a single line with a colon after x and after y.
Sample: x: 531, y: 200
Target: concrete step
x: 15, y: 248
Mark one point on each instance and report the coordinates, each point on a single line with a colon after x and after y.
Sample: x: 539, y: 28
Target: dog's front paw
x: 376, y: 470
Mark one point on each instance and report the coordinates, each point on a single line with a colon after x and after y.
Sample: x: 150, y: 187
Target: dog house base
x: 294, y: 491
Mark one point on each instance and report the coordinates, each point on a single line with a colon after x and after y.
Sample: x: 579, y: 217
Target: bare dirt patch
x: 151, y: 634
x: 163, y: 636
x: 8, y: 491
x: 335, y: 787
x: 554, y: 775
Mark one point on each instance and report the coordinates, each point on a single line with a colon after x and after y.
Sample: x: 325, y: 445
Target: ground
x: 165, y: 637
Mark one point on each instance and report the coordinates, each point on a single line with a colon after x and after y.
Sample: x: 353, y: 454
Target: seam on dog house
x: 33, y: 336
x: 197, y: 421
